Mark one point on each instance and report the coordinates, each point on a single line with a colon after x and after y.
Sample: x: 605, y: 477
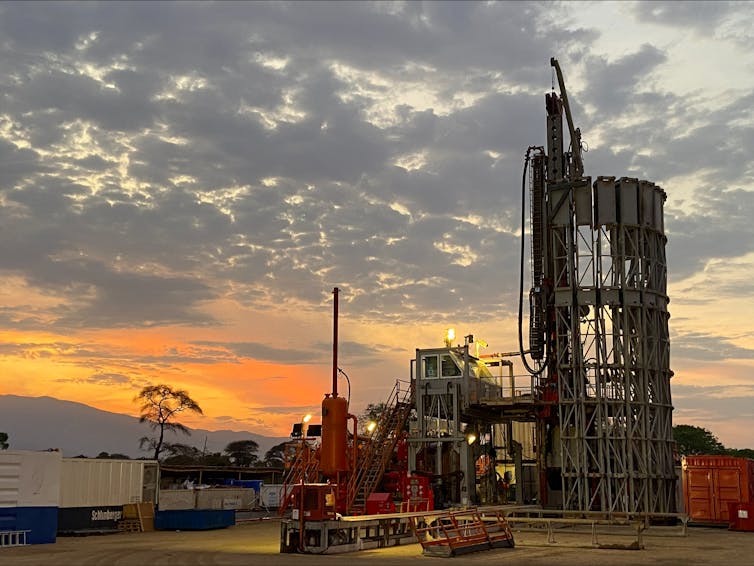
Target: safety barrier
x: 13, y: 538
x: 460, y: 532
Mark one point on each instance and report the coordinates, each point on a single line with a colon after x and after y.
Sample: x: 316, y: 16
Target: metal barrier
x: 460, y: 532
x: 637, y: 529
x: 13, y: 538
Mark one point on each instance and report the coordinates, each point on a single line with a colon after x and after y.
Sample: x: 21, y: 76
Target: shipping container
x: 256, y: 485
x: 30, y: 495
x: 194, y: 519
x: 710, y: 483
x: 177, y: 499
x: 270, y: 495
x: 94, y: 491
x: 741, y: 516
x: 226, y: 498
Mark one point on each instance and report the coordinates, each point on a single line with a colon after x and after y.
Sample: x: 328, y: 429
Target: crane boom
x: 576, y: 169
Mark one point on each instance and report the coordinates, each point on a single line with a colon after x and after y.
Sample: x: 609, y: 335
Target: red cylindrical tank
x: 333, y: 458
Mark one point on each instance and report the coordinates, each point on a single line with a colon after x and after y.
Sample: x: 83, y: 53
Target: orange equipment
x: 333, y: 451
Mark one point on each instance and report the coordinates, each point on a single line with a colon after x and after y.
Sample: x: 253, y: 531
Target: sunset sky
x: 183, y: 184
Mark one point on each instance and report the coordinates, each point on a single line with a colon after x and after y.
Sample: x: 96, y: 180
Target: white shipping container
x: 271, y: 495
x: 29, y: 493
x: 222, y: 498
x: 29, y: 479
x: 88, y: 482
x: 176, y: 499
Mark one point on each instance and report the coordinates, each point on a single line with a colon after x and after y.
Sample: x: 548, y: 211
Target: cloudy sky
x: 182, y: 185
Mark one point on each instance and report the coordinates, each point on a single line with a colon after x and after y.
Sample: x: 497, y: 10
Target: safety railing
x: 378, y: 448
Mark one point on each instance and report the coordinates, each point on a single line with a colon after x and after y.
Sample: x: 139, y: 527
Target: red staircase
x: 375, y: 455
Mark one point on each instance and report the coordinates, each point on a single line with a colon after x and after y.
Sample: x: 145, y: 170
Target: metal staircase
x: 304, y: 468
x: 378, y: 449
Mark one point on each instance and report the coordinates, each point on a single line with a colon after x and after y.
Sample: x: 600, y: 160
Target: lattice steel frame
x: 610, y: 325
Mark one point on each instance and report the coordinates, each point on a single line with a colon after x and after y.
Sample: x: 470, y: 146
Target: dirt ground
x: 257, y: 543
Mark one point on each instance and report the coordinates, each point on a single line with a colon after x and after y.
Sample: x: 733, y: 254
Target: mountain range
x: 40, y: 423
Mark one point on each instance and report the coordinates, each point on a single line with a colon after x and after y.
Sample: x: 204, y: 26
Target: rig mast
x: 599, y: 332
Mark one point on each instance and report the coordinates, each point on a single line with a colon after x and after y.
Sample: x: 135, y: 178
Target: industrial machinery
x: 352, y: 466
x: 587, y: 429
x: 598, y: 332
x: 459, y: 432
x: 595, y: 414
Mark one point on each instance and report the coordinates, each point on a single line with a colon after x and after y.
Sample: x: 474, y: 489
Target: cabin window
x: 449, y: 367
x: 430, y: 366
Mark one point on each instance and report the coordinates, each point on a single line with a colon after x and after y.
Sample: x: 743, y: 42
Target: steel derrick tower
x: 598, y: 332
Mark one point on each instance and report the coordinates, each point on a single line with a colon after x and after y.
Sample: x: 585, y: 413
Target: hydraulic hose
x: 521, y: 275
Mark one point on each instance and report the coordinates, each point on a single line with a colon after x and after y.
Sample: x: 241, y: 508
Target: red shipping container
x: 741, y: 516
x: 710, y: 483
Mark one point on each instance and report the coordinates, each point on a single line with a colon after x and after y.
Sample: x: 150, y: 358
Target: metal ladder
x: 376, y: 455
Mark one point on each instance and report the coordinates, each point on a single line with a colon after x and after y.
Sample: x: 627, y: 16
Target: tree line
x: 161, y: 405
x: 695, y: 440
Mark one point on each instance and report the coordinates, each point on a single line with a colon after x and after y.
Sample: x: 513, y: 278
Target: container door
x: 727, y: 482
x: 149, y: 483
x: 699, y: 503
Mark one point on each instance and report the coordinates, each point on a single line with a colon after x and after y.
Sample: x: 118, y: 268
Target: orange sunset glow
x: 182, y: 186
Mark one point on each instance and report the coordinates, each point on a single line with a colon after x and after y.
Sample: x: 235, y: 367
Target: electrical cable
x: 349, y: 385
x: 521, y: 274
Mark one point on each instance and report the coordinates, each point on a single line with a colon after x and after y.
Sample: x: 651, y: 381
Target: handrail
x: 304, y: 467
x: 376, y: 456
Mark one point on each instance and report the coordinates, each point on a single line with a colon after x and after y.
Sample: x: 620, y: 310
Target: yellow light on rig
x: 471, y: 438
x: 479, y: 345
x: 305, y: 425
x: 450, y: 335
x: 371, y: 425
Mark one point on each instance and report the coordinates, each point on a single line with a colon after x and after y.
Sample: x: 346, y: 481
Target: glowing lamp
x: 450, y: 335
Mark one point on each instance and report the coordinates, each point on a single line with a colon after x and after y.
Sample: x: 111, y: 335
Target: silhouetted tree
x: 216, y: 459
x: 741, y: 452
x: 160, y: 404
x: 113, y: 456
x: 178, y: 454
x: 691, y: 440
x: 275, y: 456
x: 4, y: 441
x: 242, y: 452
x: 373, y: 412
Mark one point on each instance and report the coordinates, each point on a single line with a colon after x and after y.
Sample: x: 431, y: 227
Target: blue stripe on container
x: 42, y: 522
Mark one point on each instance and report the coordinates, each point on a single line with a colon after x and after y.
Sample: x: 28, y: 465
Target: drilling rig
x: 598, y: 331
x: 595, y: 415
x: 588, y: 429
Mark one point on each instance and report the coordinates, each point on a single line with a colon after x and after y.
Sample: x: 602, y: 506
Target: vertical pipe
x: 355, y: 441
x: 335, y: 343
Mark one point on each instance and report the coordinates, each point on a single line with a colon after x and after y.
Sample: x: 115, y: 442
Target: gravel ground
x: 257, y: 543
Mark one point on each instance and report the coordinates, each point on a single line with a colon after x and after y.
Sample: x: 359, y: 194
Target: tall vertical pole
x: 335, y: 344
